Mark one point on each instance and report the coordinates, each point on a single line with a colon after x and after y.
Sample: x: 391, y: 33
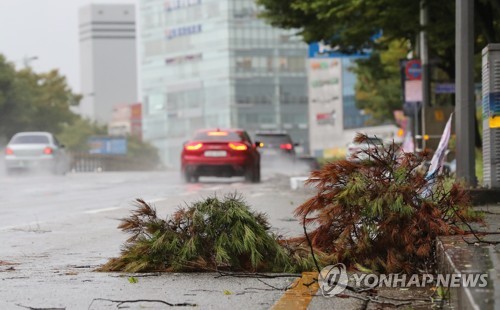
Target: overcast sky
x: 47, y: 29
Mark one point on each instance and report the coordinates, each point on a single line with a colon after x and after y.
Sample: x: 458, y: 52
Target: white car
x: 355, y: 151
x: 35, y: 151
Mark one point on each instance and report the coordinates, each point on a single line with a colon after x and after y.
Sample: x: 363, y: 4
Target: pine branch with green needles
x: 212, y: 234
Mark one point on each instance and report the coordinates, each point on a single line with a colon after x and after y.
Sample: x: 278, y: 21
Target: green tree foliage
x: 212, y: 234
x: 11, y: 103
x: 142, y: 151
x: 349, y: 26
x: 378, y: 86
x: 75, y: 136
x: 32, y: 101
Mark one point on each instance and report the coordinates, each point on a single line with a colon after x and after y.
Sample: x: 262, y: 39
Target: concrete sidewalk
x: 467, y: 255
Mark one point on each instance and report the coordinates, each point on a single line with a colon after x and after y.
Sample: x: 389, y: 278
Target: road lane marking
x: 153, y: 201
x: 101, y: 210
x: 301, y: 293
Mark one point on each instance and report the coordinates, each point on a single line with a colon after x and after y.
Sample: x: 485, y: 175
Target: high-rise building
x: 108, y: 60
x: 214, y: 63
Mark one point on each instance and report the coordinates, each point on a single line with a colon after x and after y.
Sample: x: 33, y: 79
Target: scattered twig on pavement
x: 84, y: 266
x: 36, y: 308
x: 404, y: 299
x: 488, y: 212
x: 488, y: 232
x: 255, y: 275
x: 383, y: 303
x: 274, y: 287
x: 121, y: 302
x: 4, y: 263
x: 473, y: 232
x: 142, y: 275
x: 310, y: 243
x: 480, y: 241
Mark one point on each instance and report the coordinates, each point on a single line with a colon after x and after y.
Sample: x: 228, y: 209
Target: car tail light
x: 217, y: 133
x: 193, y: 146
x: 286, y: 146
x: 9, y: 151
x: 238, y: 146
x: 47, y: 151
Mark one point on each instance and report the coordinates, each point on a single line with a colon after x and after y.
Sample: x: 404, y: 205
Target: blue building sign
x: 108, y: 145
x: 173, y: 33
x: 321, y: 50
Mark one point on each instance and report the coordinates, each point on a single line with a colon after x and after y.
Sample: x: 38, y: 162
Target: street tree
x: 378, y: 86
x: 12, y: 103
x: 75, y: 136
x: 352, y: 26
x: 33, y: 101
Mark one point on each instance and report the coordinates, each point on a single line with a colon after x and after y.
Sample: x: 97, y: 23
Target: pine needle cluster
x: 380, y: 212
x: 212, y: 234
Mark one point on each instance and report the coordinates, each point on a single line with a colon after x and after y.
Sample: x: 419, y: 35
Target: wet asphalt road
x: 54, y: 230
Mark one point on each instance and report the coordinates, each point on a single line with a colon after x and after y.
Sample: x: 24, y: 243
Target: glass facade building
x: 214, y: 63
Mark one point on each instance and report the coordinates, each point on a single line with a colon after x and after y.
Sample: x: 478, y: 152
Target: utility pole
x: 424, y: 58
x: 464, y: 106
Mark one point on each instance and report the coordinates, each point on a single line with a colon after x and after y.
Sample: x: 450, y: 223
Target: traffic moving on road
x: 35, y: 151
x: 221, y: 153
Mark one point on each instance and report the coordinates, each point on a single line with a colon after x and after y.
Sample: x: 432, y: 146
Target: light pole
x: 424, y: 56
x: 464, y: 105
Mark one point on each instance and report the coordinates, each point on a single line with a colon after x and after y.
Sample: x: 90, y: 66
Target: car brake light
x: 238, y: 146
x: 47, y: 151
x: 217, y: 133
x: 193, y: 146
x: 9, y: 151
x: 286, y: 146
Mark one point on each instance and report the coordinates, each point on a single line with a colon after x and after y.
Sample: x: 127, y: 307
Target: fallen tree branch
x: 255, y: 275
x: 121, y: 302
x: 310, y: 243
x: 143, y: 275
x: 368, y: 299
x: 274, y: 287
x: 36, y: 308
x: 428, y: 299
x: 473, y: 232
x: 479, y: 240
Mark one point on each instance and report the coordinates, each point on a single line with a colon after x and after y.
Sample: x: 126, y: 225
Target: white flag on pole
x: 408, y: 146
x: 438, y: 158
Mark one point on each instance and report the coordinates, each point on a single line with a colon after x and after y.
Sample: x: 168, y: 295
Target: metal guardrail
x: 84, y: 162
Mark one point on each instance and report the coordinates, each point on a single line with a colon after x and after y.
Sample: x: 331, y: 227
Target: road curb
x: 454, y: 256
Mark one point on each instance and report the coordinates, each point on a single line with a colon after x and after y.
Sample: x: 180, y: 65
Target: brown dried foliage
x: 376, y: 212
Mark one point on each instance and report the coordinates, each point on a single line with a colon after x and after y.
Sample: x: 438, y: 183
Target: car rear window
x: 224, y: 136
x: 273, y: 139
x: 30, y: 139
